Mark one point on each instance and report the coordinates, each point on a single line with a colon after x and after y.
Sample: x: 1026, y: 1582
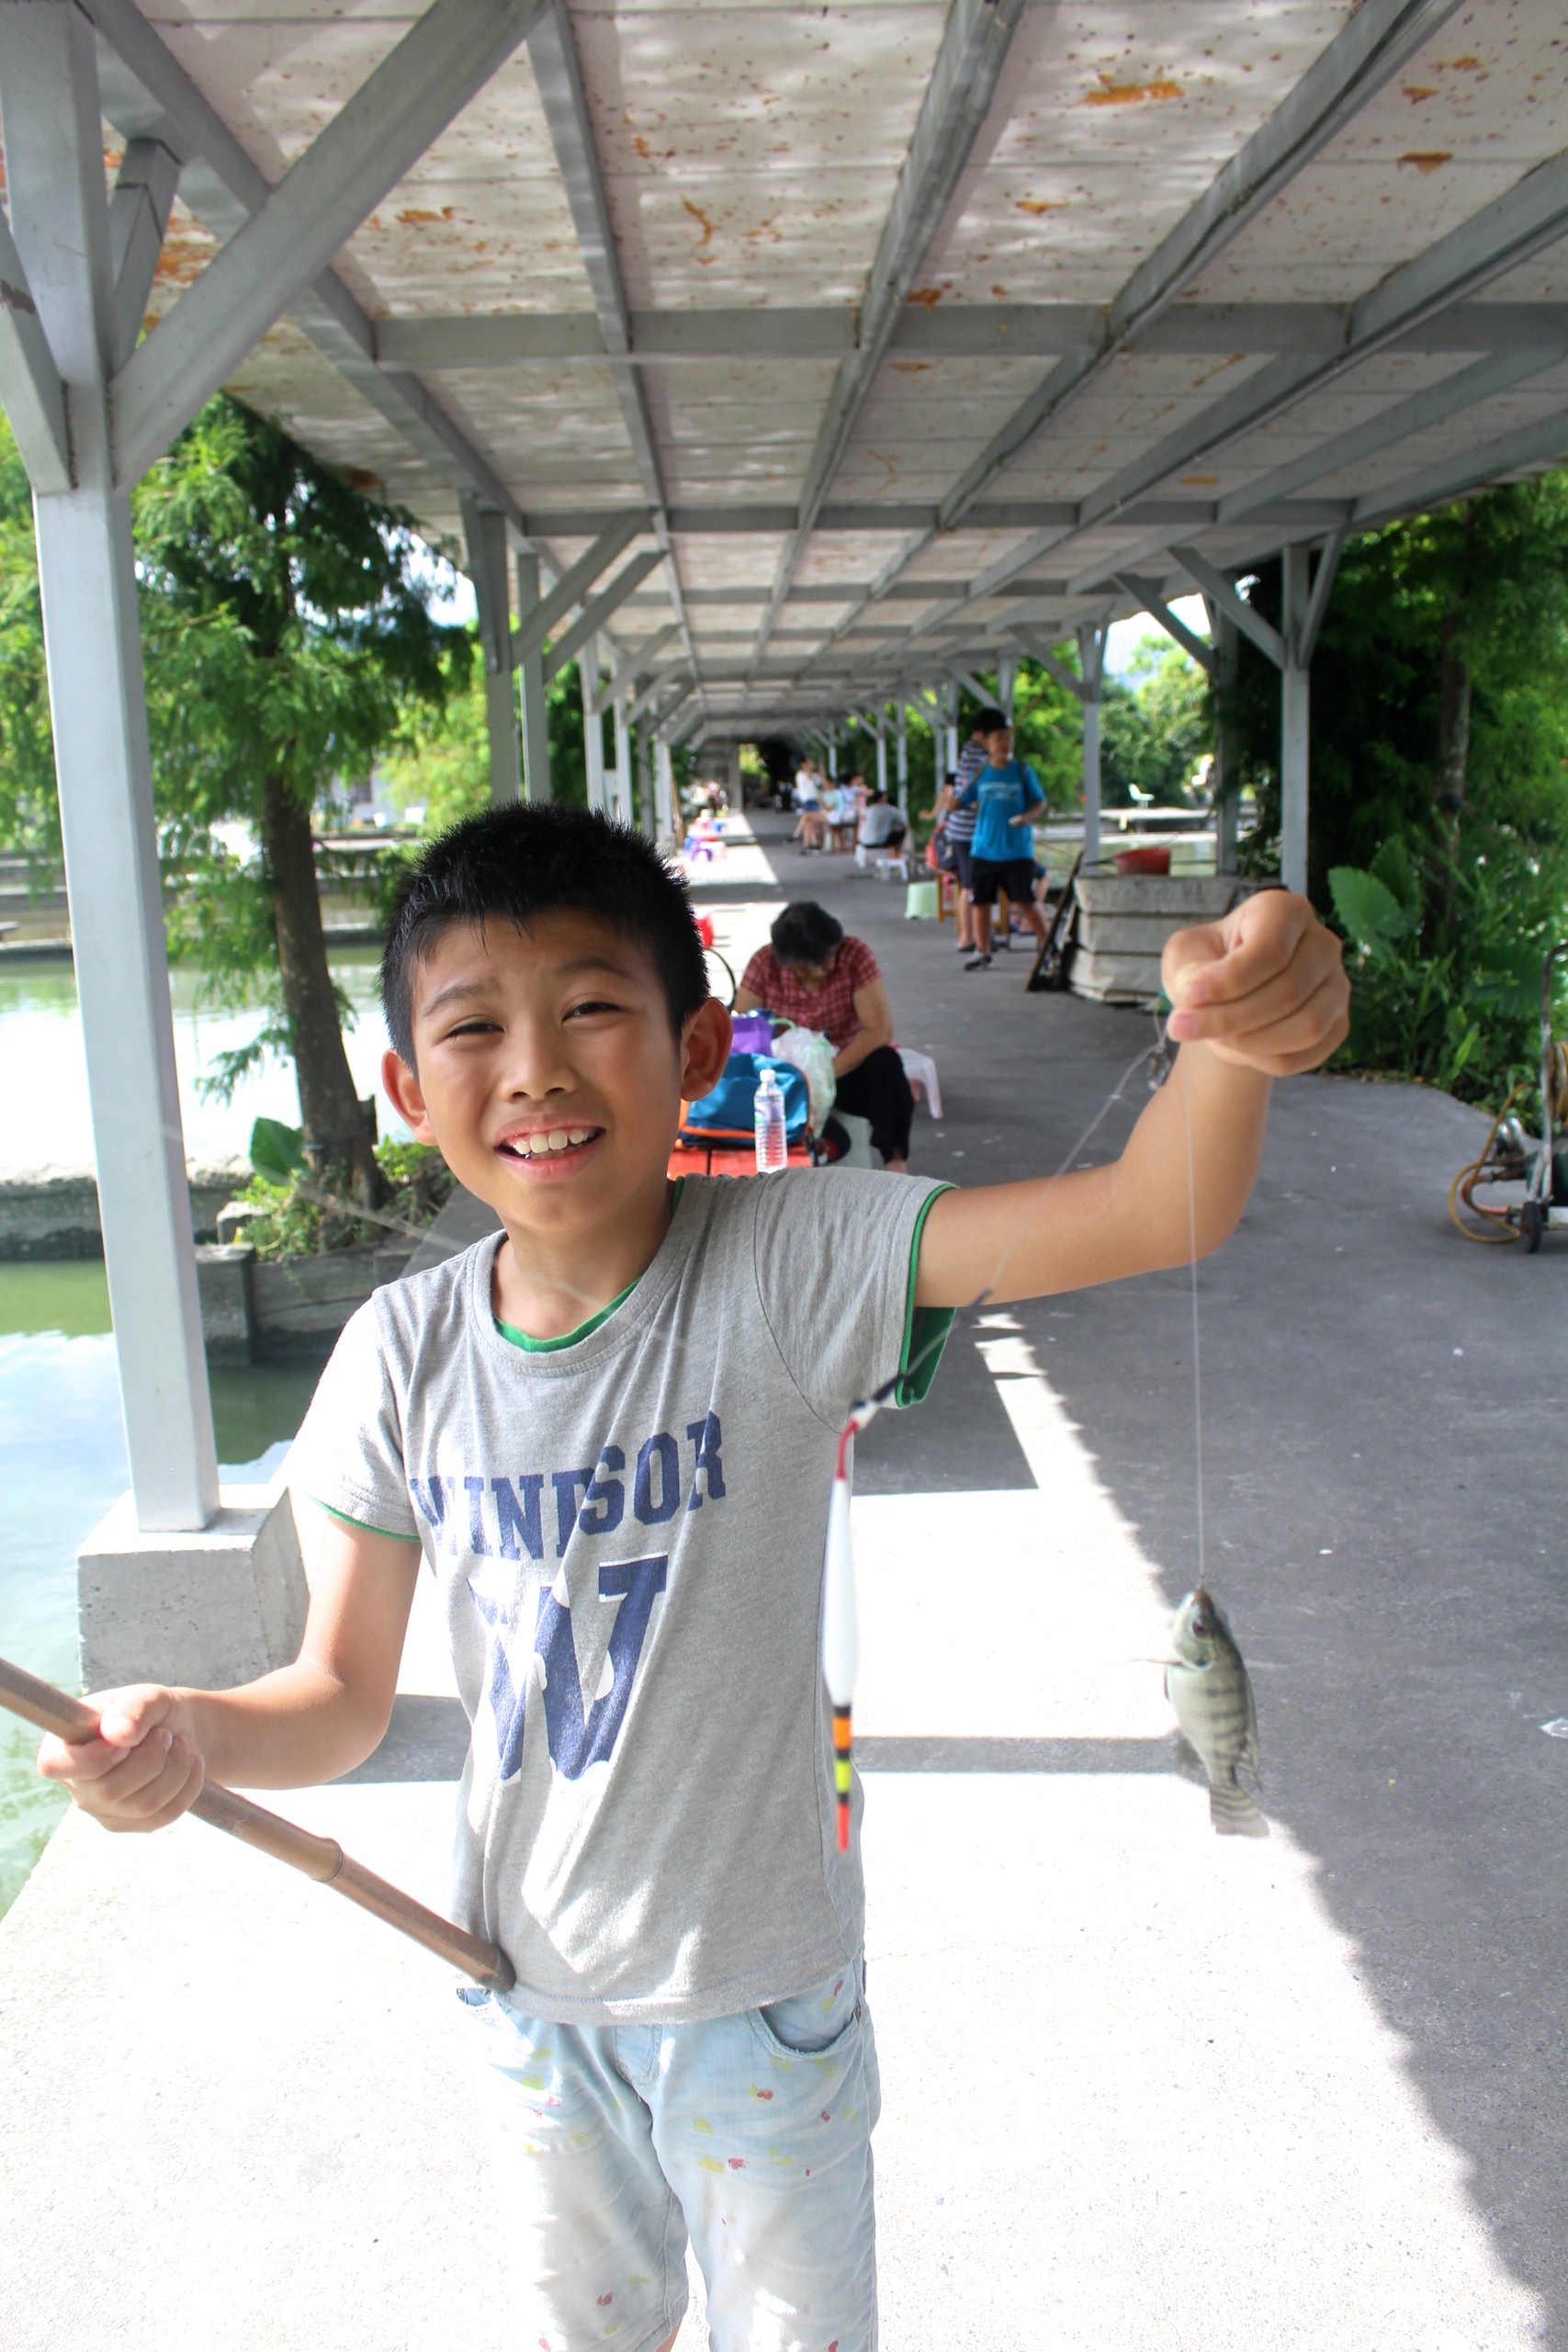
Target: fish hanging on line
x: 1207, y: 1685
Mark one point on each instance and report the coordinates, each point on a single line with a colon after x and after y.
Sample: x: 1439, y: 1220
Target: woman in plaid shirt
x: 814, y: 976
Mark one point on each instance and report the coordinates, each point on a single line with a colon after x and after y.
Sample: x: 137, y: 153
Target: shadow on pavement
x: 1382, y: 1441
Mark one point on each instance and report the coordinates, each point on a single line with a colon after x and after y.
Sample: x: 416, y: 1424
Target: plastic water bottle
x: 772, y: 1148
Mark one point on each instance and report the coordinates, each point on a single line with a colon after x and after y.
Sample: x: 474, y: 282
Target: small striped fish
x: 1207, y: 1686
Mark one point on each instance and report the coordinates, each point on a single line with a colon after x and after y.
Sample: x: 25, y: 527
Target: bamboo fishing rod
x: 321, y: 1858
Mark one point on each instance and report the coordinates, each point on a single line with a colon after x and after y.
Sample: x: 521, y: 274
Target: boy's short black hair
x: 991, y: 722
x: 516, y: 863
x: 804, y: 934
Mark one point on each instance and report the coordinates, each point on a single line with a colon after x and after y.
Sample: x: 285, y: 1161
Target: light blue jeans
x: 752, y: 2133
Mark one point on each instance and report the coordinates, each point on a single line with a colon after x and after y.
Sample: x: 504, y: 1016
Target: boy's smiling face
x: 546, y: 1068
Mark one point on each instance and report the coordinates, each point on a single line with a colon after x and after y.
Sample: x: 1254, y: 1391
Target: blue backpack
x: 732, y: 1102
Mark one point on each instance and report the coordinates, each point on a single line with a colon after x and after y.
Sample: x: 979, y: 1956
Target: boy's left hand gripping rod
x: 321, y: 1858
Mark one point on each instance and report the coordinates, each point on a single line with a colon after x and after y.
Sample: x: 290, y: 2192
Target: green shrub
x: 293, y: 1218
x: 1466, y: 1018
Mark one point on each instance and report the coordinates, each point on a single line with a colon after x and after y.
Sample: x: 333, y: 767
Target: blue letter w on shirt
x: 581, y: 1736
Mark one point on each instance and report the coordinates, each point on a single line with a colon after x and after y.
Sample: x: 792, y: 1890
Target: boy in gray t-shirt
x: 609, y: 1435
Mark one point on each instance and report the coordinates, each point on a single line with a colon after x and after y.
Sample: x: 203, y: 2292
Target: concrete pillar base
x: 211, y: 1609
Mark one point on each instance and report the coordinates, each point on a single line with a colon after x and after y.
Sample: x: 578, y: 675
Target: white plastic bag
x: 813, y: 1057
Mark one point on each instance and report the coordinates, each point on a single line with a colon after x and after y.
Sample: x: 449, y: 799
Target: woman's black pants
x: 878, y: 1090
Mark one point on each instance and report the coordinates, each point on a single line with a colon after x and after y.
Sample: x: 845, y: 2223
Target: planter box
x: 1124, y: 921
x: 253, y: 1307
x: 309, y: 1298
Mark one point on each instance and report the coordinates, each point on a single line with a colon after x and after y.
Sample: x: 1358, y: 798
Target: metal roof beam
x: 138, y: 218
x: 552, y: 51
x: 660, y: 718
x: 447, y: 55
x: 594, y: 615
x: 1310, y: 621
x: 146, y: 93
x: 1223, y: 593
x: 974, y: 49
x: 30, y: 387
x: 1017, y: 514
x: 1528, y: 217
x: 1534, y: 444
x: 1146, y: 596
x: 1039, y: 649
x: 573, y: 584
x: 1371, y: 49
x: 957, y: 331
x: 659, y: 683
x: 635, y: 664
x: 1397, y: 423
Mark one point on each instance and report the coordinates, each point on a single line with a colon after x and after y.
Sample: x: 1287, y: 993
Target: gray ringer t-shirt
x: 628, y: 1534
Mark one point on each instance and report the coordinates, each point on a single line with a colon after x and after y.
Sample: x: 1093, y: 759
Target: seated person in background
x: 1006, y: 793
x: 812, y: 824
x: 881, y: 827
x: 814, y: 976
x: 847, y: 812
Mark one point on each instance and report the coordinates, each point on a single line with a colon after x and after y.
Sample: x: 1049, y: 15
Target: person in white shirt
x: 810, y: 828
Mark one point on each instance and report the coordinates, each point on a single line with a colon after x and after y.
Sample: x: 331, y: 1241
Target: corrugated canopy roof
x: 912, y: 331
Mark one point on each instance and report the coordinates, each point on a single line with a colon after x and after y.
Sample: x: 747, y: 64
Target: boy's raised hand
x: 1264, y: 986
x: 143, y: 1769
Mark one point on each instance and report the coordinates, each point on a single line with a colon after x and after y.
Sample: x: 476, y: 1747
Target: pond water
x: 62, y: 1444
x: 44, y: 1072
x: 62, y: 1465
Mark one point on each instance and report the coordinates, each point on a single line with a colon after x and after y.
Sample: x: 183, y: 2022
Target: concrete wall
x: 53, y: 1212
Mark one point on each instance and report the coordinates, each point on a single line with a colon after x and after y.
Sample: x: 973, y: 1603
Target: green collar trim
x: 569, y: 1339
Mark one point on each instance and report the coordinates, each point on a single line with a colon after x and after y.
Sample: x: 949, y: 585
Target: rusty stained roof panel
x: 750, y: 155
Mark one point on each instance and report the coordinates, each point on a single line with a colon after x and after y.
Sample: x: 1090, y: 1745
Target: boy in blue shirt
x: 1006, y: 793
x: 607, y: 1434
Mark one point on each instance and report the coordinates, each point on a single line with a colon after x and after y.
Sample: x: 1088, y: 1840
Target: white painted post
x: 663, y: 795
x: 881, y: 751
x: 626, y: 812
x: 1091, y: 659
x: 54, y: 165
x: 1007, y: 680
x: 592, y: 724
x: 1227, y: 752
x: 647, y: 819
x: 531, y: 670
x: 901, y: 748
x: 950, y: 701
x: 833, y: 751
x: 485, y: 533
x: 1295, y: 722
x: 1091, y: 782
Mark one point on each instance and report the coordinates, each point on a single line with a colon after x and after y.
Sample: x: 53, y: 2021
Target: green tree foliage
x: 287, y: 638
x: 284, y: 634
x: 1155, y: 725
x: 441, y: 758
x: 1048, y: 733
x: 29, y: 815
x: 1439, y: 765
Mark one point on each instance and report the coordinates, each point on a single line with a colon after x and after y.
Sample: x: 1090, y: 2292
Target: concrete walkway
x: 1143, y: 2089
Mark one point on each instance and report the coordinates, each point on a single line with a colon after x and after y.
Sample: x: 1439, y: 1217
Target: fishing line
x: 840, y: 1634
x: 1197, y: 1352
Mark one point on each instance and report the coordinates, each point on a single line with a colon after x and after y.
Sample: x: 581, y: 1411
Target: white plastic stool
x: 921, y: 1070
